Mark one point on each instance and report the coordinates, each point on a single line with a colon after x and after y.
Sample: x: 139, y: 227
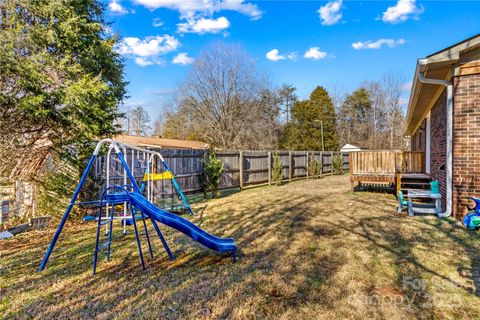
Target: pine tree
x: 314, y: 168
x: 308, y: 117
x: 321, y: 99
x: 355, y: 118
x: 61, y: 79
x: 277, y: 170
x: 213, y: 169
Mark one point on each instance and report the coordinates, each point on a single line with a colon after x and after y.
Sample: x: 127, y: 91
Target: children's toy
x: 434, y: 188
x: 136, y: 203
x: 472, y: 219
x: 402, y: 203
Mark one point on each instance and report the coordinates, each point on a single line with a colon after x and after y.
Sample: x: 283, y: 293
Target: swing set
x: 123, y: 199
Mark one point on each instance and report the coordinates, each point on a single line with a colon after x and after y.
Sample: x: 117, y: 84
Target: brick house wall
x: 466, y: 144
x: 438, y: 144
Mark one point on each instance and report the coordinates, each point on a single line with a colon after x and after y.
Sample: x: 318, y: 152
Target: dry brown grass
x: 309, y: 250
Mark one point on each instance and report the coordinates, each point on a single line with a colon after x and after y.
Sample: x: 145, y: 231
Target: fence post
x: 241, y: 169
x: 321, y: 163
x: 306, y: 164
x: 331, y: 161
x: 269, y: 167
x: 289, y: 166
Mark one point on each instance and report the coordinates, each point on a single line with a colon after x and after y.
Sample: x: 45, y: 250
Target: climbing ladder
x: 108, y: 220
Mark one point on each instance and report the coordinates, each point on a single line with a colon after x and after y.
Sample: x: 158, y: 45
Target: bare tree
x: 158, y: 125
x: 338, y: 94
x: 377, y: 117
x: 372, y: 115
x: 177, y: 126
x: 225, y: 101
x: 288, y: 98
x: 392, y: 84
x: 137, y: 121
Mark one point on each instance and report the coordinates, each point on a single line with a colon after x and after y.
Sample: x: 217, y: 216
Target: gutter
x: 449, y: 142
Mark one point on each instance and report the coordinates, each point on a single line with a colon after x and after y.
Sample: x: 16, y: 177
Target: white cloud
x: 157, y: 22
x: 315, y: 53
x: 274, y: 55
x: 241, y: 6
x: 143, y: 62
x: 204, y: 25
x: 182, y: 58
x: 292, y: 56
x: 403, y: 10
x: 116, y: 7
x: 377, y: 44
x: 147, y: 52
x: 193, y: 8
x: 150, y: 46
x: 330, y: 13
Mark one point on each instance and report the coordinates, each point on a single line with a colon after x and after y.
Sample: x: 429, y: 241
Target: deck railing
x: 386, y: 162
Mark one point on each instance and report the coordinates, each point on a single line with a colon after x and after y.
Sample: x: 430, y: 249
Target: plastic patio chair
x: 402, y: 203
x: 434, y: 187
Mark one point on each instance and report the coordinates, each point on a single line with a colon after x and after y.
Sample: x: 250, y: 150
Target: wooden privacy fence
x: 241, y: 168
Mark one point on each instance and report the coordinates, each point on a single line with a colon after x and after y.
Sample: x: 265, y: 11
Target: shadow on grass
x: 269, y: 240
x: 374, y: 188
x: 296, y: 242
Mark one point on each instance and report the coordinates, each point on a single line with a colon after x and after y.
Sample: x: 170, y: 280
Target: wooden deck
x: 385, y: 167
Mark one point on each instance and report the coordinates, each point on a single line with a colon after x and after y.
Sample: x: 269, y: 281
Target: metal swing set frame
x: 129, y: 212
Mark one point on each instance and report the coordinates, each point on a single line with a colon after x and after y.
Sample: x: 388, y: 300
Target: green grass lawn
x: 309, y: 250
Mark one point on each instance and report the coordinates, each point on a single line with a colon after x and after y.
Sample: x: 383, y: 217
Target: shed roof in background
x: 32, y: 160
x: 350, y: 147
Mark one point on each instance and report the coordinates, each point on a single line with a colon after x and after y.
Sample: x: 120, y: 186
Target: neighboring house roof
x: 350, y: 147
x: 157, y: 142
x: 458, y: 59
x: 32, y: 160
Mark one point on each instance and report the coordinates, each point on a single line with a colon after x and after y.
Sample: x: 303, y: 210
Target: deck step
x: 416, y: 180
x: 413, y: 182
x: 415, y: 185
x: 406, y: 190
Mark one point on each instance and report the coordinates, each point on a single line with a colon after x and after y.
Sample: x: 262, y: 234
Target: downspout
x: 449, y: 141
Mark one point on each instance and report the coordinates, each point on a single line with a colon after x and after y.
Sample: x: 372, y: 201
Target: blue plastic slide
x: 182, y: 225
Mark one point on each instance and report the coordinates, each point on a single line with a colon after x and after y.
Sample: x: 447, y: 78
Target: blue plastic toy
x: 434, y: 187
x: 472, y: 219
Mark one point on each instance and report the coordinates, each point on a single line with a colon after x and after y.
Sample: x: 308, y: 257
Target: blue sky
x: 303, y: 43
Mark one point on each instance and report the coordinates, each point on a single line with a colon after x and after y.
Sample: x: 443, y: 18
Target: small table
x: 427, y: 208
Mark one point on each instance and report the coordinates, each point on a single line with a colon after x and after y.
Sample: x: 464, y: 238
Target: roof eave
x: 444, y: 58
